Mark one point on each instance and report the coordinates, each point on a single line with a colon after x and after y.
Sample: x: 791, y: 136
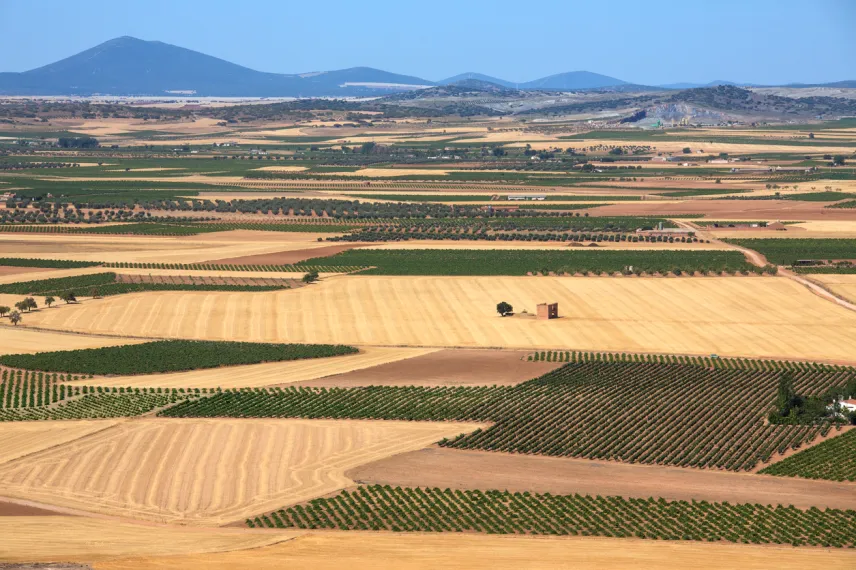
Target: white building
x: 516, y: 197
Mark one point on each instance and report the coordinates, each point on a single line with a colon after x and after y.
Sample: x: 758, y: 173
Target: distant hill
x: 573, y: 80
x: 129, y: 66
x: 477, y: 77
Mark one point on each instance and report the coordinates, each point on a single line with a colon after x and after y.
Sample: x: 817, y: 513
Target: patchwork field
x: 770, y: 317
x: 207, y: 472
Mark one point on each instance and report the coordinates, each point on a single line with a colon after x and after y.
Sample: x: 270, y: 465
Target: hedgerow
x: 381, y: 507
x: 168, y: 356
x: 673, y: 414
x: 833, y: 459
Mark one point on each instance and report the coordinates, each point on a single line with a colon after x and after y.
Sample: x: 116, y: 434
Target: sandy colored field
x: 215, y: 273
x: 288, y: 257
x: 155, y: 249
x: 21, y: 273
x: 82, y: 539
x: 676, y: 146
x: 269, y: 373
x: 462, y: 469
x: 15, y: 340
x: 785, y: 210
x: 209, y: 472
x: 24, y: 438
x: 417, y: 551
x: 812, y: 229
x: 738, y: 316
x: 152, y: 169
x: 842, y: 285
x: 453, y: 367
x: 387, y: 172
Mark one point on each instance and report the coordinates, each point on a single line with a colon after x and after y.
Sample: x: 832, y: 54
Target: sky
x: 653, y: 42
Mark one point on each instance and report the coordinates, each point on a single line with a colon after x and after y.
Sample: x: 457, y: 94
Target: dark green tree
x: 504, y: 309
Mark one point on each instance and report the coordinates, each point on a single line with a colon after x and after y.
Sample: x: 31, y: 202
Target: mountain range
x: 130, y: 66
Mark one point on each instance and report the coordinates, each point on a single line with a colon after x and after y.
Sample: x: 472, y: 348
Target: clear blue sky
x: 650, y: 42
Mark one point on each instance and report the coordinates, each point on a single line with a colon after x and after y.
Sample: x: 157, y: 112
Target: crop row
x: 377, y: 507
x: 833, y: 459
x: 25, y: 389
x: 221, y: 267
x: 705, y: 361
x: 519, y: 262
x: 106, y: 284
x: 393, y: 233
x: 49, y: 263
x: 654, y: 413
x: 168, y: 356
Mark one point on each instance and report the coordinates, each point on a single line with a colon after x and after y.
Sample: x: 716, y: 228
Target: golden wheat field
x: 416, y: 551
x: 24, y: 438
x: 740, y: 316
x: 842, y: 285
x: 208, y: 472
x: 155, y: 249
x: 266, y: 374
x: 18, y: 339
x: 85, y: 539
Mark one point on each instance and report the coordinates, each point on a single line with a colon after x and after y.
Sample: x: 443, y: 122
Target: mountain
x: 714, y: 83
x: 129, y: 66
x: 478, y: 77
x: 573, y: 80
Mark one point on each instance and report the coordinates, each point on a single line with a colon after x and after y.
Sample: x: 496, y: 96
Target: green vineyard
x: 834, y: 459
x: 378, y: 507
x: 21, y: 389
x: 168, y: 356
x: 653, y: 413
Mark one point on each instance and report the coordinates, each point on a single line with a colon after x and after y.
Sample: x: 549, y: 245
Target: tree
x: 21, y: 306
x: 838, y: 160
x: 49, y: 301
x: 786, y: 396
x: 3, y: 311
x: 504, y: 309
x: 31, y: 303
x: 687, y: 150
x: 498, y: 151
x: 367, y: 147
x: 811, y: 135
x: 68, y: 297
x: 15, y: 317
x: 311, y: 277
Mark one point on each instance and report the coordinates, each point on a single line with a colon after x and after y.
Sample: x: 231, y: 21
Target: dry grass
x: 81, y: 539
x: 209, y: 472
x: 842, y: 285
x: 266, y: 374
x: 741, y: 316
x: 412, y: 551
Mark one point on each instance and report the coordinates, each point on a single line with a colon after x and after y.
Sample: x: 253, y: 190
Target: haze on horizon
x: 656, y: 43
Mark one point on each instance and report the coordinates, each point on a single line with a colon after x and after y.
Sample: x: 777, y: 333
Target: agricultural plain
x: 740, y: 316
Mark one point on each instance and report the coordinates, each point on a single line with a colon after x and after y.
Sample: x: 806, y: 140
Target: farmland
x: 287, y: 351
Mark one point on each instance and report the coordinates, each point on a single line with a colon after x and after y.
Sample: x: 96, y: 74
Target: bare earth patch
x: 446, y: 368
x: 464, y: 469
x: 10, y: 270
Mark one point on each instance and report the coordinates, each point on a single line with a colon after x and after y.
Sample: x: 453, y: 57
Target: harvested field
x: 155, y: 249
x: 83, y: 539
x: 842, y: 285
x: 6, y: 271
x: 445, y: 368
x: 24, y: 438
x: 287, y: 257
x: 465, y: 469
x: 14, y: 340
x: 272, y: 373
x: 211, y: 280
x: 208, y: 472
x: 416, y: 551
x: 761, y: 317
x: 37, y: 273
x: 785, y: 210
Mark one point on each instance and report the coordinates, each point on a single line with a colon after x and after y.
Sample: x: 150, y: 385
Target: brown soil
x: 11, y: 270
x: 449, y: 367
x: 460, y: 469
x: 8, y: 509
x: 286, y: 257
